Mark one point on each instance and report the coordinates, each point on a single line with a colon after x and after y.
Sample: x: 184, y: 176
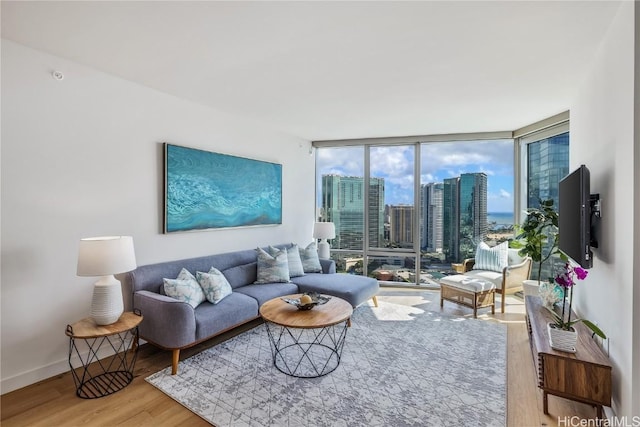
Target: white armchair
x: 509, y: 280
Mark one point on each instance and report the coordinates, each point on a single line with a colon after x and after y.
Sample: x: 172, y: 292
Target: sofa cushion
x: 272, y: 269
x: 241, y: 275
x: 231, y: 311
x: 492, y: 259
x: 310, y: 259
x: 351, y: 288
x: 185, y: 288
x: 214, y: 285
x: 264, y: 292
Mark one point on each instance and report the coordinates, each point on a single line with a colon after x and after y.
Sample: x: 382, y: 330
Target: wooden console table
x: 584, y: 376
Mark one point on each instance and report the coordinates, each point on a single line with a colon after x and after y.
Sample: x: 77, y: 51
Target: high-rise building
x: 548, y: 163
x: 450, y: 219
x: 401, y: 225
x: 472, y: 196
x: 431, y: 225
x: 343, y: 204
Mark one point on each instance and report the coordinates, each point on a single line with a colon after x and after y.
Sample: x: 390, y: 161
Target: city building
x: 343, y: 204
x: 548, y: 163
x: 472, y: 199
x: 431, y: 225
x: 450, y: 219
x: 401, y: 225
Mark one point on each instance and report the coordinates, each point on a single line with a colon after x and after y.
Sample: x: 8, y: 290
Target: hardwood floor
x: 53, y: 402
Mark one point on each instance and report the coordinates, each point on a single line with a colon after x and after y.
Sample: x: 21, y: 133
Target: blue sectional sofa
x: 174, y: 325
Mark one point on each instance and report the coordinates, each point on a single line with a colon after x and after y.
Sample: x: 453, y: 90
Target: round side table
x: 95, y: 377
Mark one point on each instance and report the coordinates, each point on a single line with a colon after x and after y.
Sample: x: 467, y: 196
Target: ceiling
x: 336, y: 70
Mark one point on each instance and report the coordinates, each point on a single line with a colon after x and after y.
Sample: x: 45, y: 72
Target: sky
x: 438, y: 161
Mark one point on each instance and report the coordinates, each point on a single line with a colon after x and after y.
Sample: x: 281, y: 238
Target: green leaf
x: 594, y: 328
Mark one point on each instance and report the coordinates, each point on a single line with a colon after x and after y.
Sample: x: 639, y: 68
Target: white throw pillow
x: 310, y: 260
x: 214, y: 285
x: 272, y: 269
x: 185, y: 288
x: 492, y: 259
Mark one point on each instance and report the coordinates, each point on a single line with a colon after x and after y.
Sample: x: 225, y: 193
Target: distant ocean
x: 500, y: 218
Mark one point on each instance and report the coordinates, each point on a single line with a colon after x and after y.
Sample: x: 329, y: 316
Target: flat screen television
x: 575, y: 217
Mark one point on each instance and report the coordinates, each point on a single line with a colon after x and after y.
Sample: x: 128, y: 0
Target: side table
x: 95, y: 377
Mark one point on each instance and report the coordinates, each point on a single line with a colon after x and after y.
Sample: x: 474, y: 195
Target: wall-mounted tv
x: 576, y: 212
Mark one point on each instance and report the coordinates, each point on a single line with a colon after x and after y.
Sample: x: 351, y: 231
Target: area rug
x: 402, y: 365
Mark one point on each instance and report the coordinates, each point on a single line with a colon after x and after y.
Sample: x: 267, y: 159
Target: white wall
x: 82, y: 157
x: 602, y: 137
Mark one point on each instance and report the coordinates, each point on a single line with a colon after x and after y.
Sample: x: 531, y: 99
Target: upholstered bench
x: 468, y: 291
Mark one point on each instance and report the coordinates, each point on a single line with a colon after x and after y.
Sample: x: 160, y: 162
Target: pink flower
x: 566, y: 276
x: 580, y: 272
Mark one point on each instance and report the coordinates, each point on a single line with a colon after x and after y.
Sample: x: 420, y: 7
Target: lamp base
x: 106, y: 304
x: 324, y: 249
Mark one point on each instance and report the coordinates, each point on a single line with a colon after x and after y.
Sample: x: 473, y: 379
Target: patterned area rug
x: 401, y: 366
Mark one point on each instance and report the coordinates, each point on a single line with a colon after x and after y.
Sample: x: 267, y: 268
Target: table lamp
x: 324, y: 231
x: 106, y: 256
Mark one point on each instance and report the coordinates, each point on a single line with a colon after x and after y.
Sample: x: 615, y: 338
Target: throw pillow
x: 293, y: 260
x: 272, y: 269
x: 184, y: 288
x: 214, y: 285
x: 492, y: 259
x: 310, y: 260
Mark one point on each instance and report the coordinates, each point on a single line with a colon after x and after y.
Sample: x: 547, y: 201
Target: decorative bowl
x: 316, y: 299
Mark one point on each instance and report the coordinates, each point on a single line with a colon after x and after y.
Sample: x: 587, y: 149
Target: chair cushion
x: 467, y: 283
x: 491, y: 276
x: 493, y: 259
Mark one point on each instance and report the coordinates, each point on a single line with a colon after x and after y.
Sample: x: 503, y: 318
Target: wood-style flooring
x: 53, y: 402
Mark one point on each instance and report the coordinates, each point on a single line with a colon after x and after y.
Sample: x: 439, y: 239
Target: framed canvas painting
x: 206, y: 190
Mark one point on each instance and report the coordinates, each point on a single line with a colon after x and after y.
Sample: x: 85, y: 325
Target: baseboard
x: 33, y: 376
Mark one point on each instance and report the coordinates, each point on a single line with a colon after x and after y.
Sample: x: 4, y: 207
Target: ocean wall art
x: 206, y: 190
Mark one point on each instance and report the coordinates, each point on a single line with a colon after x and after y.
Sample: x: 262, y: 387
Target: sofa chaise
x: 174, y: 325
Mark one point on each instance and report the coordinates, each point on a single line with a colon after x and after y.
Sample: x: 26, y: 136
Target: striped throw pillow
x: 492, y: 259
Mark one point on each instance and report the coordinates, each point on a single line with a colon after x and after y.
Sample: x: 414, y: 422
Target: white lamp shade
x: 324, y: 230
x: 102, y: 256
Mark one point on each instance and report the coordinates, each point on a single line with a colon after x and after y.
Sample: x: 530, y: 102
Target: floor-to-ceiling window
x: 425, y: 205
x: 544, y: 161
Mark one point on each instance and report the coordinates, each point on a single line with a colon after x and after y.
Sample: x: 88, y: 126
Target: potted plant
x: 538, y: 236
x: 561, y: 332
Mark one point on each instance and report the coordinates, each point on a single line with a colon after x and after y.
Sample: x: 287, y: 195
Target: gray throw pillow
x: 310, y: 260
x: 293, y: 259
x: 272, y: 269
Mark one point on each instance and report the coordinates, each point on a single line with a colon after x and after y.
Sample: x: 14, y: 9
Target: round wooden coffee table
x: 306, y: 343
